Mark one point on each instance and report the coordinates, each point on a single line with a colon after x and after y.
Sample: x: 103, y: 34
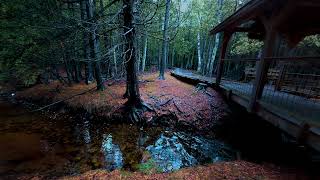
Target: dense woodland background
x: 76, y: 40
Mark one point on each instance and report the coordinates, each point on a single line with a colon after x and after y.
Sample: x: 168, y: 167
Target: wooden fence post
x: 262, y: 68
x: 225, y: 40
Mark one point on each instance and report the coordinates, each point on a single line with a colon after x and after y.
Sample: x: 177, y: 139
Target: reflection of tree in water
x: 132, y: 142
x: 124, y: 146
x: 126, y: 137
x: 173, y: 151
x: 112, y: 154
x: 88, y: 138
x: 169, y: 154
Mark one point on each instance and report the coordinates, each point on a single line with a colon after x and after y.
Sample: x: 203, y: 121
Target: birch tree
x: 216, y: 39
x: 199, y: 45
x: 144, y: 53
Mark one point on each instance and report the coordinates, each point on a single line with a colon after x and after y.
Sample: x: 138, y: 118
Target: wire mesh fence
x: 292, y: 86
x: 239, y: 75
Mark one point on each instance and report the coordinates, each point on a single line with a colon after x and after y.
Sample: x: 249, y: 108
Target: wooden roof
x: 294, y: 19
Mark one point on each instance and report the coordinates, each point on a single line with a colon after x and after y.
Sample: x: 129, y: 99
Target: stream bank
x: 74, y: 137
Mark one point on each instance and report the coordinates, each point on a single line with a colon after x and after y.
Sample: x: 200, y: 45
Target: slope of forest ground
x: 223, y: 170
x: 175, y: 103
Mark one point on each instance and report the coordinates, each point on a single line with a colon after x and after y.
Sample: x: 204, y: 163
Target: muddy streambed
x: 64, y: 145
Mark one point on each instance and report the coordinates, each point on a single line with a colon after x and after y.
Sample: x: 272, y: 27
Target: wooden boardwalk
x: 289, y: 112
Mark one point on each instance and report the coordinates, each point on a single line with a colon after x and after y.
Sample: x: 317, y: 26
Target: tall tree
x: 144, y: 53
x: 94, y: 43
x: 216, y: 39
x: 199, y: 45
x: 85, y: 45
x: 164, y: 58
x: 130, y: 55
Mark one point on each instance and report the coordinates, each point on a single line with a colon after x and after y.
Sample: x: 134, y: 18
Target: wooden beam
x: 262, y: 68
x: 225, y: 40
x: 247, y: 12
x: 280, y: 120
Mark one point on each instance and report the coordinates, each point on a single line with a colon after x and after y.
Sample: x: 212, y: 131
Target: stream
x: 65, y: 145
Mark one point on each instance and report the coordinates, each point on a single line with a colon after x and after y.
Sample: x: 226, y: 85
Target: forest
x: 102, y: 89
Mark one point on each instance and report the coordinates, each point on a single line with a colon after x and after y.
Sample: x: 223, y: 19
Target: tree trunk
x: 106, y: 41
x: 199, y: 46
x: 199, y: 53
x: 172, y: 58
x: 94, y: 43
x: 66, y: 63
x: 115, y: 61
x: 130, y: 55
x: 165, y: 41
x: 144, y: 53
x: 86, y: 48
x: 159, y: 57
x: 217, y: 39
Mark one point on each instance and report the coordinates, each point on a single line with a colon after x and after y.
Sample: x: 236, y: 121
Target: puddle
x: 68, y: 146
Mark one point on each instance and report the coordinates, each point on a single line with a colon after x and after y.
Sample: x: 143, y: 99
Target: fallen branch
x: 209, y: 94
x: 174, y: 102
x: 153, y: 97
x: 166, y: 102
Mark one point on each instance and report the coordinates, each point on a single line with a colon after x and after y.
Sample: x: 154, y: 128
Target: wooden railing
x: 291, y: 83
x: 284, y: 73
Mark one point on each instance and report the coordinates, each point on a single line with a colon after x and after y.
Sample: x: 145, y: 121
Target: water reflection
x: 173, y: 151
x: 112, y: 154
x: 86, y: 132
x: 169, y: 154
x: 71, y: 145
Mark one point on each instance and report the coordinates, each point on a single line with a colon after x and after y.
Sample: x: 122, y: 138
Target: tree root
x: 136, y: 112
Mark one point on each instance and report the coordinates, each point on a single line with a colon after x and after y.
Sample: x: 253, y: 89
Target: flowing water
x: 64, y: 145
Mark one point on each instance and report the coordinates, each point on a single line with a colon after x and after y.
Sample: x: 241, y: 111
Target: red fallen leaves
x: 167, y: 97
x: 183, y: 100
x: 223, y: 170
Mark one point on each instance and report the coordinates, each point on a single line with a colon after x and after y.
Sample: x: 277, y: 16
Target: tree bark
x: 159, y: 57
x: 115, y: 61
x: 86, y: 48
x: 199, y: 46
x: 217, y: 39
x: 144, y: 53
x: 172, y: 58
x: 66, y: 63
x: 106, y: 40
x: 164, y: 59
x: 199, y: 53
x: 94, y: 44
x: 130, y: 55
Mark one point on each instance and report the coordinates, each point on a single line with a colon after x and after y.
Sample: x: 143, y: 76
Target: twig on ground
x: 174, y: 102
x: 166, y: 102
x: 209, y: 94
x: 152, y: 97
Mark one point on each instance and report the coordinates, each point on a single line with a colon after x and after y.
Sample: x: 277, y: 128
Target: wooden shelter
x: 268, y: 20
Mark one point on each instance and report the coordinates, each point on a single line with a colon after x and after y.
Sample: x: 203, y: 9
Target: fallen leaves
x: 167, y: 97
x: 223, y: 170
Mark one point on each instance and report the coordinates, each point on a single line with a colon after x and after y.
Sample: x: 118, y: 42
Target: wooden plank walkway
x: 287, y: 111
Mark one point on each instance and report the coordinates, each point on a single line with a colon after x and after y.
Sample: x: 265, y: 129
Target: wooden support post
x: 280, y: 78
x: 262, y: 69
x: 225, y: 40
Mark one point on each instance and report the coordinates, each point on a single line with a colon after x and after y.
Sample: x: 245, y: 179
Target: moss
x: 125, y: 173
x: 149, y: 167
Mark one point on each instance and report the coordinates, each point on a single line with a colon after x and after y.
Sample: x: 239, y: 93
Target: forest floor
x: 224, y: 170
x: 175, y: 103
